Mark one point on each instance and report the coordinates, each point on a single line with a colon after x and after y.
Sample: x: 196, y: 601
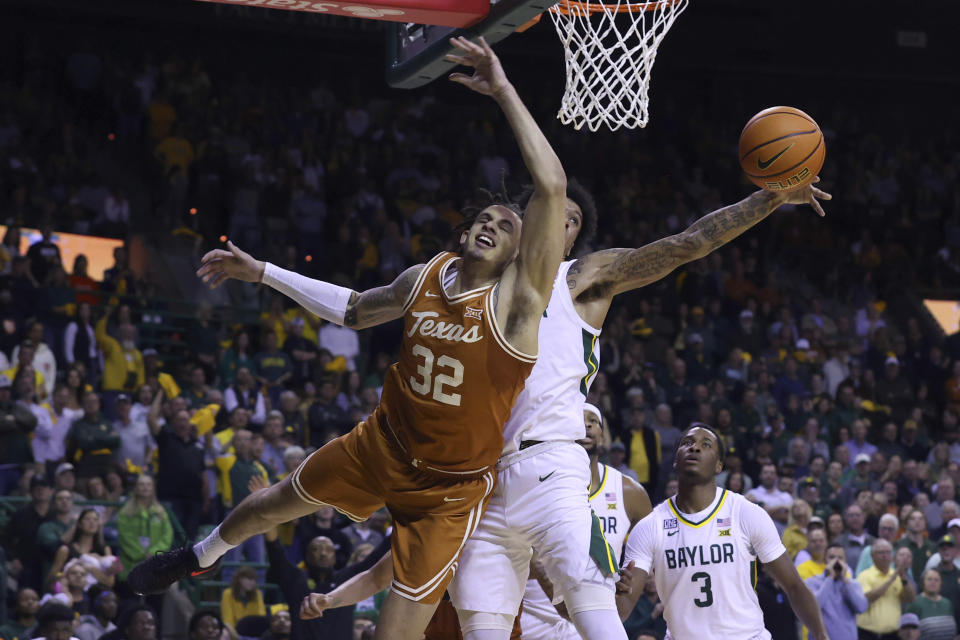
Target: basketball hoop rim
x: 588, y: 7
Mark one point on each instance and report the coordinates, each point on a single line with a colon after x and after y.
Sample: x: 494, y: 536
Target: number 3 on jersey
x: 437, y: 382
x: 706, y: 588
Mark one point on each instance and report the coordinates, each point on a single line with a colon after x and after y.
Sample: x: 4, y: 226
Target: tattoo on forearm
x: 350, y: 316
x: 710, y: 232
x: 380, y: 304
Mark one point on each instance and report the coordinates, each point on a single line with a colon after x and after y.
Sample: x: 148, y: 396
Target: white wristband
x: 323, y: 299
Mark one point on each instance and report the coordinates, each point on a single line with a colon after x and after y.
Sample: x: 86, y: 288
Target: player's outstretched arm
x: 331, y: 302
x: 614, y: 271
x: 542, y: 239
x: 356, y: 589
x: 802, y: 600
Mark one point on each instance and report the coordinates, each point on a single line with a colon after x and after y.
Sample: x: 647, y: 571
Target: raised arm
x: 607, y: 273
x: 542, y: 238
x: 331, y: 302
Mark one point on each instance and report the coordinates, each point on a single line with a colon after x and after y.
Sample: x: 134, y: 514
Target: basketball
x: 781, y: 149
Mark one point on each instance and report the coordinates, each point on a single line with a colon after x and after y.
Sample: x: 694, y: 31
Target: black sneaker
x: 154, y: 576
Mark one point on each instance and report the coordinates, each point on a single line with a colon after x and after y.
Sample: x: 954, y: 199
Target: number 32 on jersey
x: 449, y: 375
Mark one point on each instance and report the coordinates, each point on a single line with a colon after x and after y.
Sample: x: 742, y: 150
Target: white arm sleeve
x: 640, y: 545
x: 320, y: 298
x: 761, y: 532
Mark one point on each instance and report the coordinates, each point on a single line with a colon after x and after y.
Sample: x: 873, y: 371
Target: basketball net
x: 609, y: 64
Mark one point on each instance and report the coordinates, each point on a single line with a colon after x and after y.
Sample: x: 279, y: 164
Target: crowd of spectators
x: 840, y: 404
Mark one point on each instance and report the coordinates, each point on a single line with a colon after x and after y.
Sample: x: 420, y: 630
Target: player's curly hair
x: 579, y: 194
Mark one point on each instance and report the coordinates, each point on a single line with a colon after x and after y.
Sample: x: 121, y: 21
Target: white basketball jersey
x: 550, y: 407
x: 607, y: 503
x: 705, y: 565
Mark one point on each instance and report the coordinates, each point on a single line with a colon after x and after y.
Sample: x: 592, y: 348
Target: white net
x: 610, y: 48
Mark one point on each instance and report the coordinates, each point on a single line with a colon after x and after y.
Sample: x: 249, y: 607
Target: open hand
x: 313, y: 606
x: 808, y: 194
x: 488, y: 77
x: 219, y: 265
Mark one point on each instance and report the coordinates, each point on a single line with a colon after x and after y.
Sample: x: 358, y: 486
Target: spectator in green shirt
x: 143, y: 525
x: 60, y: 528
x: 935, y: 611
x: 916, y: 540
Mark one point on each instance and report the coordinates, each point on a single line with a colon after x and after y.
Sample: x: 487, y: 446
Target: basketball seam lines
x: 790, y: 168
x: 789, y: 135
x: 783, y: 113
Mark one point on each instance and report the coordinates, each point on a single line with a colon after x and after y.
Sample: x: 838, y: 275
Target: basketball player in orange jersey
x: 429, y: 449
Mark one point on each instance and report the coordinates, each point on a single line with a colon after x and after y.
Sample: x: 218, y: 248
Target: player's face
x: 698, y: 454
x: 574, y: 222
x: 594, y: 432
x: 494, y: 236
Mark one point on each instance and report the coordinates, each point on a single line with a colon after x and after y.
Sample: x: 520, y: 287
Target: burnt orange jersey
x: 450, y: 394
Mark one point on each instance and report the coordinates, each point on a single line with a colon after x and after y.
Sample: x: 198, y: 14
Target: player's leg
x: 488, y: 586
x: 430, y: 532
x: 571, y: 547
x: 403, y: 619
x: 332, y: 475
x: 591, y: 603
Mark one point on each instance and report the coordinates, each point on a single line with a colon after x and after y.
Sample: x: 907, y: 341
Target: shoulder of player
x: 636, y: 500
x: 589, y: 276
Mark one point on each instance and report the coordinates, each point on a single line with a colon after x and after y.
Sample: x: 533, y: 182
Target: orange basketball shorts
x: 433, y: 514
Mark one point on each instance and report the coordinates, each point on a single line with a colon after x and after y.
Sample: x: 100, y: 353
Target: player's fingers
x: 470, y: 46
x: 217, y: 280
x: 216, y: 254
x: 463, y: 44
x: 823, y: 195
x: 460, y: 78
x: 235, y: 250
x: 487, y: 49
x: 816, y: 207
x: 459, y: 59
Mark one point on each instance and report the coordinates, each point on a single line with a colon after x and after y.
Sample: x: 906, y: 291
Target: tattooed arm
x: 604, y: 274
x: 381, y: 304
x: 331, y: 302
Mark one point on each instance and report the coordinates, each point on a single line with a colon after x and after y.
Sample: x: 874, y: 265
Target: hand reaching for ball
x: 807, y: 194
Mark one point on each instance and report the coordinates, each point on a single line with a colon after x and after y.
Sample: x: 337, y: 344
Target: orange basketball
x: 781, y: 149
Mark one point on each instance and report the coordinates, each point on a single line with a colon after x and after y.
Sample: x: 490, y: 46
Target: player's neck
x: 692, y: 498
x: 473, y: 274
x: 594, y: 474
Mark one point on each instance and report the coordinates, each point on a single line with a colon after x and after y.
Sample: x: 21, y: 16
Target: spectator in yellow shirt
x: 886, y: 589
x: 122, y: 361
x: 242, y: 598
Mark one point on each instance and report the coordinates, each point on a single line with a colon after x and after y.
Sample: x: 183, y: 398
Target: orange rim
x: 578, y: 7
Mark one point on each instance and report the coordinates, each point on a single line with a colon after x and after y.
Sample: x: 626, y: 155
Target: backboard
x: 415, y: 51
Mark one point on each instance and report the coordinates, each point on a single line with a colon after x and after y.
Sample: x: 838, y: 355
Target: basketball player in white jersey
x: 703, y: 545
x: 619, y: 503
x: 540, y: 502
